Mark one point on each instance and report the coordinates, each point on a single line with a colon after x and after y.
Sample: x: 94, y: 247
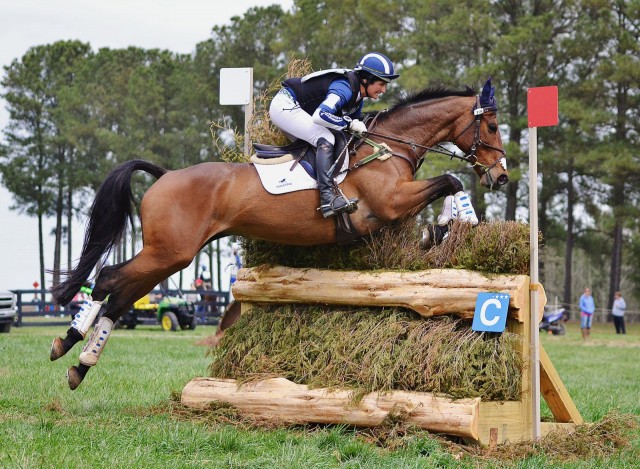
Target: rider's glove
x: 357, y: 127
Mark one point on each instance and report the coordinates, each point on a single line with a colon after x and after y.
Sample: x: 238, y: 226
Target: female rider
x: 306, y: 108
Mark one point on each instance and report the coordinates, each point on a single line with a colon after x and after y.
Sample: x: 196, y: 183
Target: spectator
x: 205, y: 276
x: 619, y: 306
x: 587, y: 308
x: 201, y: 309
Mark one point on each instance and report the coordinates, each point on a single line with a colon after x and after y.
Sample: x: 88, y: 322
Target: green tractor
x: 171, y: 312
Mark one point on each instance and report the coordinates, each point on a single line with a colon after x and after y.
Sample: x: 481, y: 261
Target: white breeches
x: 288, y: 116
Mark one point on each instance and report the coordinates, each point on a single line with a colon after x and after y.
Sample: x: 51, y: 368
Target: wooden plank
x: 282, y: 400
x: 555, y: 393
x: 429, y: 293
x: 503, y: 418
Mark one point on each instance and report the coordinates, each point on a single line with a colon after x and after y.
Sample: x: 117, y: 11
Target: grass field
x: 122, y: 416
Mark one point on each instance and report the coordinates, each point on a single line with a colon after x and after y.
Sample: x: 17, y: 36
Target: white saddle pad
x: 280, y: 179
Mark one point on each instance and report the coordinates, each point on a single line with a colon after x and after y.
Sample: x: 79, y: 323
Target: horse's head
x: 480, y: 139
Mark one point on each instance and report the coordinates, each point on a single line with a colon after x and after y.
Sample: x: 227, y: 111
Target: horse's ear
x: 487, y: 96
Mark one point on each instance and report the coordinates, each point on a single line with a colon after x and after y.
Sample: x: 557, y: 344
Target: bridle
x: 470, y: 158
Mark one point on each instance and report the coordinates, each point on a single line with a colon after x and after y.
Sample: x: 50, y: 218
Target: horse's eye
x: 493, y: 128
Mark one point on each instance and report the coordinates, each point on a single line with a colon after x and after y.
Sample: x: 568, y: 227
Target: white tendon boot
x: 449, y: 211
x: 466, y: 212
x: 98, y: 338
x: 83, y: 320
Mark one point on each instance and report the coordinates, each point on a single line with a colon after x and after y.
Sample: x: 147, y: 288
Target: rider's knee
x: 324, y: 144
x: 324, y: 135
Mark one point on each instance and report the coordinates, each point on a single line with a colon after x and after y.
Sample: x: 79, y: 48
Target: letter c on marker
x: 483, y: 312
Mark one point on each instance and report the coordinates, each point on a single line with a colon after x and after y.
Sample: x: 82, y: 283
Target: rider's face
x: 375, y: 89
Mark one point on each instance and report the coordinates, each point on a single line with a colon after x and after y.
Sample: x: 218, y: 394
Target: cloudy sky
x: 165, y: 24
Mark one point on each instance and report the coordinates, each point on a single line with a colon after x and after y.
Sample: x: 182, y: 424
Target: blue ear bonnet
x: 487, y: 99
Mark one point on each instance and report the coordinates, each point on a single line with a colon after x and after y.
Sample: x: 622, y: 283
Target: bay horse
x: 187, y: 208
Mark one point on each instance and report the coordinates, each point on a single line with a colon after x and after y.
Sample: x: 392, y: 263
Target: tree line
x: 75, y: 113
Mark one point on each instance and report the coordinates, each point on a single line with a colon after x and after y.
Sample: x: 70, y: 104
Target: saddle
x: 300, y: 151
x: 303, y: 153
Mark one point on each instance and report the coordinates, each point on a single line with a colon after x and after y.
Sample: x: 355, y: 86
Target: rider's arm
x: 328, y: 113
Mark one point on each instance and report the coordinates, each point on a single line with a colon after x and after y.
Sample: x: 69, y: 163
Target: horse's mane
x: 426, y: 95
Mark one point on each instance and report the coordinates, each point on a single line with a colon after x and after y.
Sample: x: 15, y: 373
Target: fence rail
x: 37, y: 308
x: 599, y: 315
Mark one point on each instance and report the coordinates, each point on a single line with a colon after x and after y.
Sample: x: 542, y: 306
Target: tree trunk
x: 616, y: 253
x: 57, y: 249
x: 69, y: 227
x: 568, y: 245
x: 41, y: 249
x: 512, y: 201
x: 219, y: 263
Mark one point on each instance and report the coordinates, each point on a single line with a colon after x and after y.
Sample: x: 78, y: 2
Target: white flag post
x: 236, y: 88
x: 542, y: 105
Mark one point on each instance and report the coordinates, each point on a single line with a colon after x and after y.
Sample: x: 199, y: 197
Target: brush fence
x: 429, y: 293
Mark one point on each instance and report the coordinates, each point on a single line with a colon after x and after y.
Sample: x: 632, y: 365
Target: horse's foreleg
x: 456, y: 205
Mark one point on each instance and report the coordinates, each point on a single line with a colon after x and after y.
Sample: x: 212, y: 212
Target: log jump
x: 429, y: 293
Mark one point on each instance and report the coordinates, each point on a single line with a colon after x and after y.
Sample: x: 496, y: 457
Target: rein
x: 471, y: 158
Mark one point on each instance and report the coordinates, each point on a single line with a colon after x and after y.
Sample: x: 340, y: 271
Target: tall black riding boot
x: 330, y: 203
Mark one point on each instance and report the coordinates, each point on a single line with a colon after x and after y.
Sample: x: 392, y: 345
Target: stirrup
x: 330, y: 209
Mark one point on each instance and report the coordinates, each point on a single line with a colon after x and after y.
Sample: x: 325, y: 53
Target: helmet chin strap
x: 365, y: 85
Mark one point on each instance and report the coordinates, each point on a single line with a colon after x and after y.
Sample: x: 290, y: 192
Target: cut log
x: 430, y: 293
x: 281, y: 400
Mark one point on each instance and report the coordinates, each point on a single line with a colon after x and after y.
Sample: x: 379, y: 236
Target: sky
x: 163, y: 24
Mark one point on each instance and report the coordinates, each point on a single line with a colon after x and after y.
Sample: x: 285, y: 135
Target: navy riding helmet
x: 378, y: 65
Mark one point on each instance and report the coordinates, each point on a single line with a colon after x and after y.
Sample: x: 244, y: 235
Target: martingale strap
x: 382, y: 152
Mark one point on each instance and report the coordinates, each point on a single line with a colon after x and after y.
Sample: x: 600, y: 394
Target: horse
x: 187, y: 208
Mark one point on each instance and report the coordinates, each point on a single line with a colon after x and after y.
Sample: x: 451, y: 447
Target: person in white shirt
x: 619, y: 306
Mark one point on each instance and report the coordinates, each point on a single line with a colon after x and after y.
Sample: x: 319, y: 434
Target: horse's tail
x: 111, y: 209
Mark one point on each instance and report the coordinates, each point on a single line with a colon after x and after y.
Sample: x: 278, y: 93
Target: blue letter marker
x: 491, y: 312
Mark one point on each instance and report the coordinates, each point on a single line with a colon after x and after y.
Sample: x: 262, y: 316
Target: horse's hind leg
x: 82, y: 322
x: 84, y: 319
x: 124, y: 284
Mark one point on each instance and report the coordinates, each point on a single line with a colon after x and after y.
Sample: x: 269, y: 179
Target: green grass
x: 601, y: 373
x: 121, y: 415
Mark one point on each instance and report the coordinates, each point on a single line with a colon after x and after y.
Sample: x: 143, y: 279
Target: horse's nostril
x: 503, y: 179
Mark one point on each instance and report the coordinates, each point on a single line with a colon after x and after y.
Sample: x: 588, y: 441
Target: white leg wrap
x: 449, y: 211
x: 465, y: 209
x: 83, y: 320
x: 97, y: 340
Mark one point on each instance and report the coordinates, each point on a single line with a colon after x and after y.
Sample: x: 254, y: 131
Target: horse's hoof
x: 74, y: 377
x: 57, y: 349
x: 428, y: 237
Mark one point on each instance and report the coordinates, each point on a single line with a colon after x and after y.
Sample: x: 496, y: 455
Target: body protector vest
x: 311, y: 90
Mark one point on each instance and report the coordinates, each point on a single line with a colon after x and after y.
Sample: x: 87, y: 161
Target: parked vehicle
x: 171, y: 312
x: 7, y: 310
x: 553, y: 322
